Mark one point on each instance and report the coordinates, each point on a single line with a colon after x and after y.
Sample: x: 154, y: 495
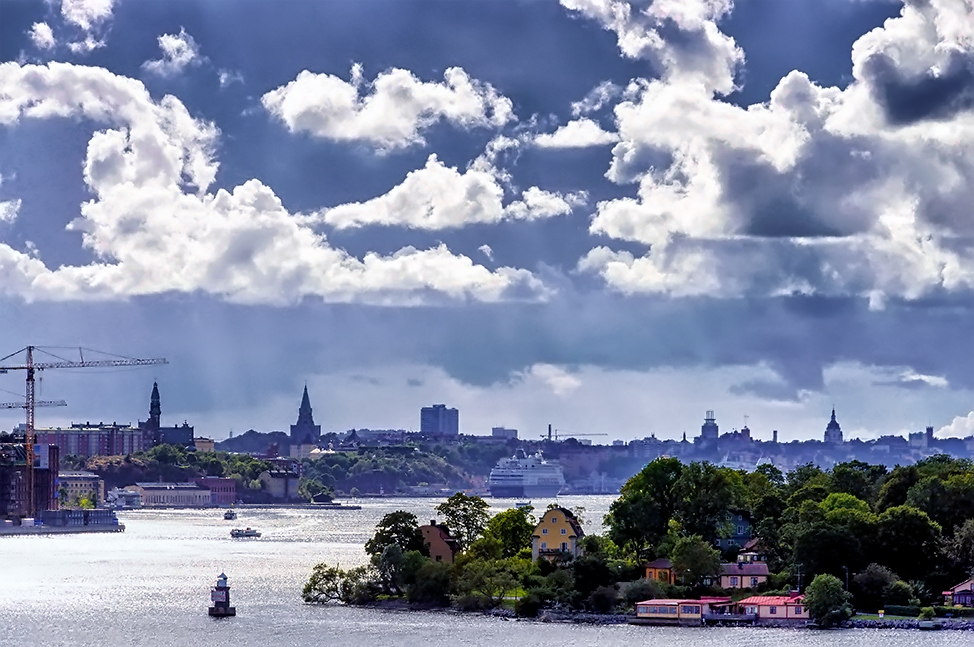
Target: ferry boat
x: 229, y: 515
x: 525, y: 476
x: 238, y: 533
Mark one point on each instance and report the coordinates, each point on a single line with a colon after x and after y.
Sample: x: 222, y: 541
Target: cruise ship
x: 525, y: 476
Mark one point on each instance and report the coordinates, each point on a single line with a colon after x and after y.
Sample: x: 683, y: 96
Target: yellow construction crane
x: 32, y: 366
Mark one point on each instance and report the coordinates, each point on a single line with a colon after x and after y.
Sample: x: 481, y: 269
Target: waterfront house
x: 557, y: 534
x: 440, y: 545
x: 660, y: 570
x: 743, y: 575
x: 223, y: 491
x: 775, y: 608
x: 670, y: 612
x: 280, y: 483
x: 961, y: 595
x: 741, y: 530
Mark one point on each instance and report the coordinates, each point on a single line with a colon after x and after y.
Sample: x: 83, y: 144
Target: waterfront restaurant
x: 670, y: 612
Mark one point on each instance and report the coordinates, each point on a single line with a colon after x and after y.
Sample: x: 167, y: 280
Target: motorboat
x: 229, y: 515
x: 238, y: 533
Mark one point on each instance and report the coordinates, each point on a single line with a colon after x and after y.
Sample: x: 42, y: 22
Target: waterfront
x: 150, y: 586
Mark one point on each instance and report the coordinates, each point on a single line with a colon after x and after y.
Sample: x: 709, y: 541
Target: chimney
x: 433, y: 522
x: 774, y: 436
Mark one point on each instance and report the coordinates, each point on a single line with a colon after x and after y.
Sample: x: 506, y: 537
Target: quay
x: 9, y: 531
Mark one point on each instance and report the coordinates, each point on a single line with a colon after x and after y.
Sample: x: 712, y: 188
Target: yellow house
x: 773, y: 608
x: 557, y: 534
x: 440, y: 545
x: 670, y: 612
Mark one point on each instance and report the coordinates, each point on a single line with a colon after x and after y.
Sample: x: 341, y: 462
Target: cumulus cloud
x: 179, y: 51
x: 42, y: 36
x: 156, y: 227
x: 486, y: 251
x: 90, y: 18
x: 856, y: 191
x: 440, y: 197
x: 959, y: 427
x: 390, y: 112
x: 596, y: 99
x: 679, y: 37
x: 9, y: 210
x: 579, y: 133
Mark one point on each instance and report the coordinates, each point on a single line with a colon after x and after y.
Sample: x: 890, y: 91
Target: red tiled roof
x: 770, y: 600
x: 745, y: 568
x: 660, y: 563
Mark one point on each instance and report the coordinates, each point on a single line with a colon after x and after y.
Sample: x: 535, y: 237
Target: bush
x: 926, y: 613
x: 827, y: 601
x: 431, y: 585
x: 603, y: 599
x: 955, y: 612
x: 528, y: 606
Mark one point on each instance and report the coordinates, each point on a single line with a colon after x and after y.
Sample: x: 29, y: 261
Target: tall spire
x: 155, y: 409
x: 833, y: 414
x: 305, y: 416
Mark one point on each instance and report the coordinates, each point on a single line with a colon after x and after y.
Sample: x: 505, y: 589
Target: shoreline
x: 552, y: 616
x: 15, y: 531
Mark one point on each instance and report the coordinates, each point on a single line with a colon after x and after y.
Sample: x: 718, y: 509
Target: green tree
x: 869, y: 587
x: 695, y: 559
x: 859, y: 479
x: 961, y: 546
x: 466, y: 517
x: 896, y: 487
x: 400, y: 528
x: 638, y: 518
x: 324, y: 585
x: 827, y: 602
x: 908, y: 541
x: 513, y: 529
x: 431, y: 585
x: 704, y: 496
x: 485, y: 584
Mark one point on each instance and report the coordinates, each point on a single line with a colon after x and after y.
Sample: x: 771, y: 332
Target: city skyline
x: 600, y: 216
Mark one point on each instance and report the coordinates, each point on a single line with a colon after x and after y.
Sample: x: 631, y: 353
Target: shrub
x: 926, y: 613
x: 827, y: 601
x: 528, y: 606
x: 603, y: 599
x: 641, y: 590
x: 901, y: 610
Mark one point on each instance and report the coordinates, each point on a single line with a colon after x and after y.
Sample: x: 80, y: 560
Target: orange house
x: 772, y: 608
x: 660, y: 570
x: 441, y: 546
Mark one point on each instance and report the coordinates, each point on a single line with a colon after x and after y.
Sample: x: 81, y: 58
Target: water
x: 150, y: 586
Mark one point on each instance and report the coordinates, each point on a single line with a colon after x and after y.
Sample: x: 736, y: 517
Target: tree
x: 431, y: 585
x: 400, y: 528
x: 827, y: 602
x: 483, y: 584
x: 466, y: 517
x: 908, y: 541
x: 869, y: 587
x: 324, y: 585
x: 638, y: 518
x: 704, y: 496
x: 961, y: 547
x: 695, y: 559
x: 857, y: 478
x: 513, y: 529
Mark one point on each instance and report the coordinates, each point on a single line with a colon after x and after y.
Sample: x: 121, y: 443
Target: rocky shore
x: 945, y: 623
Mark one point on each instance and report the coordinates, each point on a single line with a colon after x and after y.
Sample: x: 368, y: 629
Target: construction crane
x: 556, y: 435
x: 30, y: 403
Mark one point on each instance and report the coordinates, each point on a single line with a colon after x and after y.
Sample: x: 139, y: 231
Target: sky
x: 603, y: 215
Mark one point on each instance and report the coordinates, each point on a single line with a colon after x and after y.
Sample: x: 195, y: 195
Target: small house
x: 660, y: 570
x: 670, y: 612
x: 775, y: 608
x: 440, y: 545
x: 743, y: 575
x: 961, y: 595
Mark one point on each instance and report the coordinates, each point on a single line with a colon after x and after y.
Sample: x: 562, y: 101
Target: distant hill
x: 256, y: 441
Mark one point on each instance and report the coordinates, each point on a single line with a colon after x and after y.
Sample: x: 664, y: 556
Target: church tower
x: 833, y: 432
x: 305, y: 432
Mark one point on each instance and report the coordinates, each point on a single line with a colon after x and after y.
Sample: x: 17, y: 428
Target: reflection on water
x: 150, y: 586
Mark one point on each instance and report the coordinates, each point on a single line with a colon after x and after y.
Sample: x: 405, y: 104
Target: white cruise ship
x: 525, y: 476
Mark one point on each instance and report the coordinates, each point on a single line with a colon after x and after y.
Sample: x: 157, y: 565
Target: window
x: 774, y: 610
x: 798, y: 611
x: 750, y: 610
x: 564, y: 532
x: 642, y: 609
x: 544, y: 545
x: 544, y: 531
x: 716, y: 542
x: 554, y: 520
x: 663, y: 576
x: 733, y: 581
x: 564, y: 545
x: 671, y: 610
x: 754, y: 581
x: 439, y: 558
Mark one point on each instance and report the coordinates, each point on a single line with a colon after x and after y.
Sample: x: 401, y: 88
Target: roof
x: 755, y: 545
x: 771, y: 600
x: 569, y: 517
x: 172, y: 486
x: 668, y: 602
x: 660, y: 563
x: 966, y: 585
x: 78, y: 475
x: 745, y: 568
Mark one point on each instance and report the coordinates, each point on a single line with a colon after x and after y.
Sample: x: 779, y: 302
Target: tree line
x: 857, y: 535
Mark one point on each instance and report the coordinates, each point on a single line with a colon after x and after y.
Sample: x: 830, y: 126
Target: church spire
x: 833, y: 414
x: 155, y: 408
x: 305, y: 416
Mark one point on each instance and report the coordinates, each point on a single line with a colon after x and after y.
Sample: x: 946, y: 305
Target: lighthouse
x: 220, y: 596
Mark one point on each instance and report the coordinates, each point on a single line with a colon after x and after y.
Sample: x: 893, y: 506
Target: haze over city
x: 536, y: 212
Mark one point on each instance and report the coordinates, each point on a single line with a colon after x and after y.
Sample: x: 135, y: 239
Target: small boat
x: 238, y: 533
x: 229, y: 515
x: 522, y: 504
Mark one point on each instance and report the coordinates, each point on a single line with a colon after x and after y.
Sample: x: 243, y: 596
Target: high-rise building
x: 833, y: 432
x: 503, y: 432
x: 305, y: 431
x: 438, y: 420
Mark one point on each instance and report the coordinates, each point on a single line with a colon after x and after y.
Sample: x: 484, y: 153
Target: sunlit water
x: 150, y: 586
